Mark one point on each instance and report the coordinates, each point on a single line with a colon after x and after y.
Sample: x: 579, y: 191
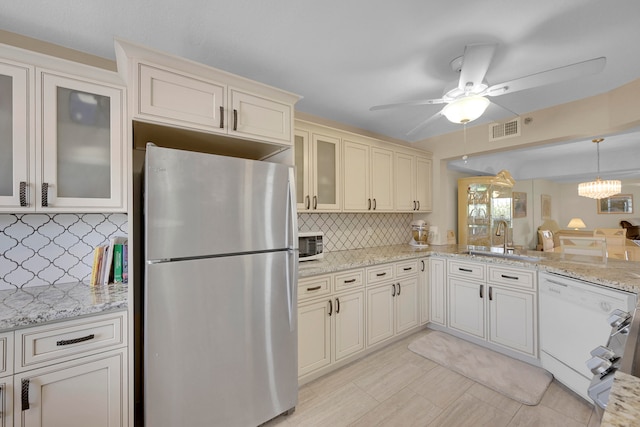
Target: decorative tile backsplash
x: 46, y: 249
x: 345, y: 231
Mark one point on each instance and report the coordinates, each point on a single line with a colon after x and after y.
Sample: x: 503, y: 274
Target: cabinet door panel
x: 80, y: 135
x: 512, y: 319
x: 380, y: 314
x: 326, y: 177
x: 423, y: 184
x: 88, y: 392
x: 406, y: 304
x: 404, y: 182
x: 15, y: 145
x: 167, y: 95
x: 437, y: 291
x: 302, y: 161
x: 349, y: 324
x: 382, y: 179
x: 6, y: 402
x: 356, y: 163
x: 314, y: 336
x: 466, y: 306
x: 257, y: 117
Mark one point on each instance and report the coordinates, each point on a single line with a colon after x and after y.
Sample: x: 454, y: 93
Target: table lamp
x: 576, y: 223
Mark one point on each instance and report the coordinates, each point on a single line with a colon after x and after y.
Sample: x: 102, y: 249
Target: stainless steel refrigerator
x: 220, y: 319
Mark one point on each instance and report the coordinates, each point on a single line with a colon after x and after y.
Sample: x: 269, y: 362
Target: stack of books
x: 110, y: 262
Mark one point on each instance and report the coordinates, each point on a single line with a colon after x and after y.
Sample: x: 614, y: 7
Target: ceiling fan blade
x: 556, y: 75
x: 408, y: 104
x: 475, y: 63
x: 425, y: 123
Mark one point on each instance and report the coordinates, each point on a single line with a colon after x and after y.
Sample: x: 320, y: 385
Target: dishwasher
x: 573, y: 321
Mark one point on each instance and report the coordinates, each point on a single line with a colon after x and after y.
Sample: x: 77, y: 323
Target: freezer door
x: 200, y: 204
x: 220, y: 340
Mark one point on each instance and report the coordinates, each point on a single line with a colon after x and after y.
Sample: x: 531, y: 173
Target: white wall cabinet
x: 494, y: 303
x: 171, y: 91
x: 317, y: 160
x: 368, y: 177
x: 60, y: 125
x: 72, y: 373
x: 412, y: 183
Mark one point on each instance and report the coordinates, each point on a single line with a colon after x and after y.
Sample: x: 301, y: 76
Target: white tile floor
x: 396, y: 387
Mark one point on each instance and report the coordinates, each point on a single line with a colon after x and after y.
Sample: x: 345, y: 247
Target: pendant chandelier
x: 599, y: 189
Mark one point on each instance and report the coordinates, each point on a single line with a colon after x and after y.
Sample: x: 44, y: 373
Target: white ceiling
x: 345, y: 56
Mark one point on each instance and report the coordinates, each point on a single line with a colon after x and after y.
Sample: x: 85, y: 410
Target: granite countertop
x: 35, y: 305
x: 623, y: 408
x: 618, y: 274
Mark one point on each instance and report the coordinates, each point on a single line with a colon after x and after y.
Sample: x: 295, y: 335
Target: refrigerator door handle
x: 292, y: 287
x: 292, y: 215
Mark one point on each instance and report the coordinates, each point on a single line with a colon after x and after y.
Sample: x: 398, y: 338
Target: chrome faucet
x: 505, y: 227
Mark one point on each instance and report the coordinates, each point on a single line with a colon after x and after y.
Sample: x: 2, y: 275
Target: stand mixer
x: 419, y: 233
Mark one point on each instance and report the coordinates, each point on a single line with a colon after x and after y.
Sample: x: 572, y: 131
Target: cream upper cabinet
x: 317, y: 160
x: 368, y: 177
x: 79, y: 145
x: 63, y: 136
x: 16, y: 145
x: 412, y: 183
x: 173, y: 91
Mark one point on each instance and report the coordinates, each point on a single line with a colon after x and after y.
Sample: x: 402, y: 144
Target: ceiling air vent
x: 504, y: 130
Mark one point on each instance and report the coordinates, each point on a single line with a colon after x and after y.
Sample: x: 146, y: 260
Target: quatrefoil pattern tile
x: 46, y: 249
x: 346, y: 231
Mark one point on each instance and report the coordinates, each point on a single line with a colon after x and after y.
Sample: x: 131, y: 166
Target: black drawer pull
x: 75, y: 340
x: 399, y: 288
x: 315, y: 288
x: 509, y: 277
x: 481, y: 291
x: 408, y: 268
x: 25, y: 394
x: 350, y: 281
x: 381, y: 274
x: 465, y: 269
x: 337, y: 305
x: 221, y: 117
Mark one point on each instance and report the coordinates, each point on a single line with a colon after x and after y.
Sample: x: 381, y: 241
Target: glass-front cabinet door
x: 79, y: 144
x: 326, y: 176
x: 16, y: 175
x: 302, y: 154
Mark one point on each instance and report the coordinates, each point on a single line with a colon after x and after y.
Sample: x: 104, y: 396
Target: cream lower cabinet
x: 6, y: 401
x: 72, y: 373
x: 423, y: 289
x: 330, y: 325
x: 392, y: 300
x: 494, y: 303
x: 84, y: 392
x: 437, y: 291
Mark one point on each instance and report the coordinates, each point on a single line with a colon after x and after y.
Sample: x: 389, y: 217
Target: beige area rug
x: 515, y: 379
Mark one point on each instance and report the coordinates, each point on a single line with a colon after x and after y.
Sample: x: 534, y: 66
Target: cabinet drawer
x: 525, y: 279
x: 379, y: 274
x: 467, y: 269
x: 6, y: 354
x: 407, y: 268
x: 67, y: 340
x: 314, y: 287
x: 349, y: 280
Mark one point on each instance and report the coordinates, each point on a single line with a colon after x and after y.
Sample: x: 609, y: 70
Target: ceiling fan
x: 467, y: 100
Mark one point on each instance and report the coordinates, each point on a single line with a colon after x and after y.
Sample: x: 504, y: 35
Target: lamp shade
x: 576, y: 223
x: 465, y: 109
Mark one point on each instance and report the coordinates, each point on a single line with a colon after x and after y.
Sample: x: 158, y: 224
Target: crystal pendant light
x: 599, y: 189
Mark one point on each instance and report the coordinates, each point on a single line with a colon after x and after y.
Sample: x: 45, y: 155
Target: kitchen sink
x: 509, y: 255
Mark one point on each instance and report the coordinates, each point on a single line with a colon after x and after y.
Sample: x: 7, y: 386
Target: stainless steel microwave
x: 311, y: 245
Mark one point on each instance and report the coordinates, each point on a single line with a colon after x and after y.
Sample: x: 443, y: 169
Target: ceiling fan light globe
x: 467, y: 109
